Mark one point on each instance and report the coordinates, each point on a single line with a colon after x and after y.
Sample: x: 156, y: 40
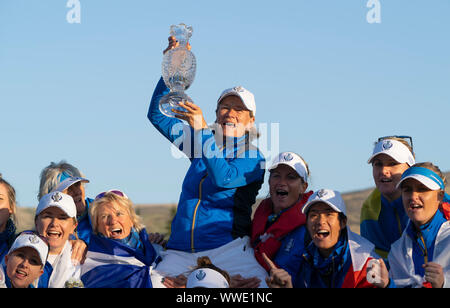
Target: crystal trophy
x: 178, y: 71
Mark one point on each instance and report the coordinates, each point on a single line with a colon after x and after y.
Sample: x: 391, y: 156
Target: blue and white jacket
x: 219, y: 188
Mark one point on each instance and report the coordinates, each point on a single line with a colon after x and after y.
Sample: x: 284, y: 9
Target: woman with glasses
x: 7, y: 216
x: 120, y: 254
x: 56, y: 221
x: 226, y: 172
x: 421, y: 257
x: 383, y: 217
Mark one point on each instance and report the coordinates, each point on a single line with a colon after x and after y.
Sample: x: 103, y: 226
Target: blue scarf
x: 133, y: 240
x: 319, y: 272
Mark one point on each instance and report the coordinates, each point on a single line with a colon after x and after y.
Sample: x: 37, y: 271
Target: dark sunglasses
x: 114, y: 191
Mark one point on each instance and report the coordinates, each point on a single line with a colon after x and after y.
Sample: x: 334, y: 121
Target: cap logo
x: 321, y: 193
x: 288, y: 157
x: 387, y: 144
x: 33, y: 239
x: 238, y: 89
x: 56, y: 197
x: 200, y: 275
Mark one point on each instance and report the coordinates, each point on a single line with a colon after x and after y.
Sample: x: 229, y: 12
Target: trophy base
x: 170, y: 101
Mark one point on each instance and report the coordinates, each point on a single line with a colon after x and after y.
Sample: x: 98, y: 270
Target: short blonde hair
x: 117, y: 202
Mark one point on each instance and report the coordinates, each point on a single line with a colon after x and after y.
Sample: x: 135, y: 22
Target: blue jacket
x: 218, y: 190
x: 7, y: 238
x: 84, y: 228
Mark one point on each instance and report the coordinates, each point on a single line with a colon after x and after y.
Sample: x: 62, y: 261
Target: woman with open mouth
x: 281, y: 213
x: 56, y: 221
x: 420, y: 258
x: 383, y: 218
x: 120, y: 254
x: 325, y: 253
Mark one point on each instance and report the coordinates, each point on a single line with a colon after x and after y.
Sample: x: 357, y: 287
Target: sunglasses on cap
x: 408, y: 139
x: 114, y: 191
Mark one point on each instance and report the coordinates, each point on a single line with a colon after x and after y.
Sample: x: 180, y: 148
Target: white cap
x: 292, y: 160
x: 245, y: 95
x: 394, y: 149
x: 66, y: 183
x: 206, y: 278
x: 60, y: 200
x: 331, y: 197
x: 28, y: 239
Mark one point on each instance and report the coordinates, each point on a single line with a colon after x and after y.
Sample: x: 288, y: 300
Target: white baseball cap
x: 394, y: 149
x: 59, y: 200
x: 30, y: 239
x: 206, y: 278
x: 331, y: 197
x: 292, y: 160
x: 245, y: 95
x: 66, y: 182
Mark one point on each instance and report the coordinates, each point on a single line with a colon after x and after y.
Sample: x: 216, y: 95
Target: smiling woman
x: 120, y: 254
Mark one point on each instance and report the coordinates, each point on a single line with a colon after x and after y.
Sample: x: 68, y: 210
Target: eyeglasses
x: 408, y: 139
x: 114, y: 191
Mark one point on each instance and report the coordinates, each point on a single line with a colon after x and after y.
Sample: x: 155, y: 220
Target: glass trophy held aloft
x: 178, y: 71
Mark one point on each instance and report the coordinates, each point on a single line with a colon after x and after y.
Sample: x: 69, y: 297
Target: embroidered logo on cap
x: 56, y: 197
x: 33, y: 239
x: 238, y: 89
x: 387, y: 144
x: 288, y: 157
x: 321, y: 193
x: 200, y: 275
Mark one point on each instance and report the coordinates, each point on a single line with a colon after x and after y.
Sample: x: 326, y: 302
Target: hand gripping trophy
x: 178, y: 70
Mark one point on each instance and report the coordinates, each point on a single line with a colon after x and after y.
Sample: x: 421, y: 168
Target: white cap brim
x: 247, y: 98
x: 206, y: 278
x: 69, y: 182
x: 422, y: 179
x: 330, y: 197
x: 33, y: 241
x: 63, y: 202
x: 292, y: 160
x: 395, y: 149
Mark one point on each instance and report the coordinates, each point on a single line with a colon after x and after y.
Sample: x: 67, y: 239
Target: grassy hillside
x: 157, y: 217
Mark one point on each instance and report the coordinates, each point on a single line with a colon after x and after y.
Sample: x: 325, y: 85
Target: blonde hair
x: 50, y: 174
x: 11, y: 198
x: 117, y: 202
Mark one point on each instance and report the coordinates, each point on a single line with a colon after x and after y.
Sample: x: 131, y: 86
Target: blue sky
x: 332, y: 81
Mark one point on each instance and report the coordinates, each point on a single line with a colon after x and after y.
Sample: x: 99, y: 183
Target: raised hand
x: 278, y: 278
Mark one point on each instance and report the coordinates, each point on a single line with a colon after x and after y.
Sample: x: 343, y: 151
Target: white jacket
x: 401, y: 261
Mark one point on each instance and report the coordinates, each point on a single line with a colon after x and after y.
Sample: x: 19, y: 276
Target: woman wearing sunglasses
x: 383, y: 217
x: 420, y: 258
x: 221, y: 185
x: 120, y: 254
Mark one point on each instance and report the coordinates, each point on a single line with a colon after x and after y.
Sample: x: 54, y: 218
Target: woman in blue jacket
x: 222, y: 182
x: 7, y: 217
